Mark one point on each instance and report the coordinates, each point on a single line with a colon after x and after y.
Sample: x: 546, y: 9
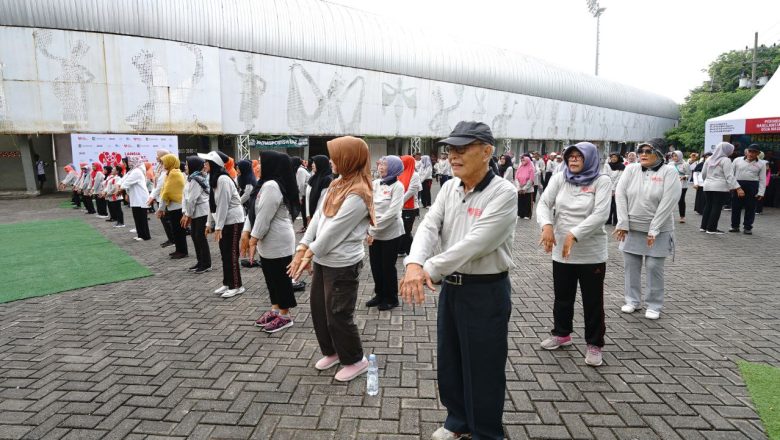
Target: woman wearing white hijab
x: 684, y: 171
x: 719, y: 180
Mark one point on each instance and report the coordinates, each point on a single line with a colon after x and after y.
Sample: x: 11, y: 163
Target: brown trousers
x: 334, y: 293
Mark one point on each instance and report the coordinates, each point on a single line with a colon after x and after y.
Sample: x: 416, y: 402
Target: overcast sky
x: 660, y: 46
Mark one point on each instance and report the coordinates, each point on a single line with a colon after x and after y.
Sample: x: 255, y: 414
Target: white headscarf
x: 723, y: 149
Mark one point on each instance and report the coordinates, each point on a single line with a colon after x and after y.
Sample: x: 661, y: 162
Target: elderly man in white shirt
x: 473, y: 219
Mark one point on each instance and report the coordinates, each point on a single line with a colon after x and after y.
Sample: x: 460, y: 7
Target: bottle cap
x: 372, y: 357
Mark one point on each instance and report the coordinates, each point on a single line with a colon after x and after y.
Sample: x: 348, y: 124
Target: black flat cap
x: 467, y: 132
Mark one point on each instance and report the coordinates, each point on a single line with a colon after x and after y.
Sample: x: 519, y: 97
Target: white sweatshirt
x: 754, y: 171
x: 338, y: 241
x: 273, y: 226
x: 415, y: 186
x: 719, y: 177
x: 134, y: 184
x: 388, y: 201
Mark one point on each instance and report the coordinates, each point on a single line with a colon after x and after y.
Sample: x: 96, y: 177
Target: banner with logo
x: 279, y: 142
x: 109, y: 149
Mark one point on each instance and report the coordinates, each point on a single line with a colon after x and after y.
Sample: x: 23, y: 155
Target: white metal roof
x: 323, y: 32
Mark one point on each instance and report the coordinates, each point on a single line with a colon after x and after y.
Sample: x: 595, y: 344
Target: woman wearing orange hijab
x: 334, y: 240
x: 230, y: 167
x: 412, y: 185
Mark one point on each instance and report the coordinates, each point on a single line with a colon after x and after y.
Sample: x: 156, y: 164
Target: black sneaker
x: 748, y: 232
x: 166, y: 243
x: 373, y: 302
x: 203, y: 269
x: 178, y: 256
x: 193, y: 268
x: 734, y: 230
x: 386, y: 306
x: 716, y: 232
x: 299, y: 286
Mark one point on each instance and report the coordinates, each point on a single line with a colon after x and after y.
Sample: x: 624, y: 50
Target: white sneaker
x: 138, y: 239
x: 221, y: 290
x: 233, y: 292
x: 119, y: 226
x: 445, y: 434
x: 652, y: 314
x: 629, y: 308
x: 133, y: 231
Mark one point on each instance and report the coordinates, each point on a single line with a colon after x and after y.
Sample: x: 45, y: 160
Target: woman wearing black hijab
x: 614, y: 170
x: 246, y: 181
x: 301, y: 178
x: 196, y: 210
x: 270, y: 222
x: 320, y: 179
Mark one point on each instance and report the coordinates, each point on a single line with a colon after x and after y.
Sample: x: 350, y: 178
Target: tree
x: 721, y: 94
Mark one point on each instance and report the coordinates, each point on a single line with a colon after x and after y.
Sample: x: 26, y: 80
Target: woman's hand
x: 243, y: 245
x: 548, y: 238
x: 185, y: 221
x: 252, y: 249
x: 740, y: 193
x: 620, y: 234
x: 217, y: 235
x: 301, y: 261
x: 160, y: 214
x: 650, y: 240
x: 370, y: 239
x: 567, y: 245
x: 208, y: 230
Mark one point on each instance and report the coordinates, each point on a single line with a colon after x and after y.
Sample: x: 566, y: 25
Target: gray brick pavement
x: 162, y: 357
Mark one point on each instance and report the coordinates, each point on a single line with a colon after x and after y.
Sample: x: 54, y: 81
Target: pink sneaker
x: 266, y: 318
x: 350, y: 372
x: 327, y: 362
x: 279, y: 323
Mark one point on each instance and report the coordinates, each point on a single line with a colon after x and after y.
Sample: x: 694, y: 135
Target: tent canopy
x: 764, y: 105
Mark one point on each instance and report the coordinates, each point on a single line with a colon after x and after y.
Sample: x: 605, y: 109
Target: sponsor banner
x: 715, y: 131
x: 109, y: 149
x: 762, y: 125
x: 280, y: 142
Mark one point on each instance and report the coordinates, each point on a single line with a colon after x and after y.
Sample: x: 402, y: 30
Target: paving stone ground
x: 163, y: 357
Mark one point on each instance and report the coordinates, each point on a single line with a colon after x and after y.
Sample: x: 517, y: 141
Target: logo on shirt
x: 587, y: 189
x: 474, y: 212
x: 656, y: 179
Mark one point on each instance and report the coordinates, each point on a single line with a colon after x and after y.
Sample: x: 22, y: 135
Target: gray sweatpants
x: 654, y: 300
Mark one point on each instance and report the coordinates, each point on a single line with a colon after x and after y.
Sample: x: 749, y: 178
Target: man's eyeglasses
x: 645, y: 151
x: 461, y: 149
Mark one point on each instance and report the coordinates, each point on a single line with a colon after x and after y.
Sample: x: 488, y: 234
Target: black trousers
x: 201, y: 243
x: 681, y: 203
x: 443, y: 178
x: 334, y: 292
x: 115, y: 211
x: 425, y: 194
x: 279, y: 284
x: 102, y: 206
x: 698, y: 203
x: 713, y: 204
x: 382, y: 255
x: 141, y: 222
x: 546, y: 179
x: 408, y: 216
x: 748, y: 203
x: 179, y: 233
x: 228, y: 249
x: 613, y: 218
x: 472, y: 346
x: 76, y: 199
x: 524, y: 204
x: 303, y: 212
x: 591, y: 280
x: 166, y: 224
x: 88, y: 204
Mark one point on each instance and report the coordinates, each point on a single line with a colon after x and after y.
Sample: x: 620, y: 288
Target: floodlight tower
x: 596, y: 11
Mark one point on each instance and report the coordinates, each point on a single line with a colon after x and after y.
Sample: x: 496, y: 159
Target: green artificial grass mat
x: 66, y: 204
x: 44, y: 257
x: 763, y: 383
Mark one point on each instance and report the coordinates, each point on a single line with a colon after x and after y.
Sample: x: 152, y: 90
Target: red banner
x: 762, y: 125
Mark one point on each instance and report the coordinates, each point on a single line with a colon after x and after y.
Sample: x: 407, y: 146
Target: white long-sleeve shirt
x: 683, y: 171
x: 158, y: 186
x: 581, y: 210
x: 195, y: 202
x: 719, y: 177
x: 301, y: 178
x: 273, y: 227
x: 415, y: 186
x: 229, y: 209
x: 645, y: 199
x: 475, y: 229
x: 388, y: 204
x: 134, y: 184
x: 338, y: 241
x: 754, y: 171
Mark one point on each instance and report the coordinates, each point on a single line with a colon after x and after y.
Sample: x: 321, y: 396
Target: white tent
x: 760, y: 115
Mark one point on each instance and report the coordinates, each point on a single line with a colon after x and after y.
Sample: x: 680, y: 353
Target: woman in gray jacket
x: 719, y: 180
x: 196, y: 210
x: 645, y: 198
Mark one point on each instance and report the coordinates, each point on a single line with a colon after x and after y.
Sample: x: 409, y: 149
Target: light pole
x: 596, y: 11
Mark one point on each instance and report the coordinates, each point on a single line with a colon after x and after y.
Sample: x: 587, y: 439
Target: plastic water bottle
x: 372, y: 380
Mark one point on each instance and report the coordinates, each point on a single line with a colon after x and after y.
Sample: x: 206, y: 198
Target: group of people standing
x: 463, y: 242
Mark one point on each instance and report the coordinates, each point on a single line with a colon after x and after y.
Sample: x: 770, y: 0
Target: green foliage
x: 763, y: 383
x: 700, y: 106
x: 721, y: 94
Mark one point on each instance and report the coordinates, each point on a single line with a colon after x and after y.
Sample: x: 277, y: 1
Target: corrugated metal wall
x: 327, y: 33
